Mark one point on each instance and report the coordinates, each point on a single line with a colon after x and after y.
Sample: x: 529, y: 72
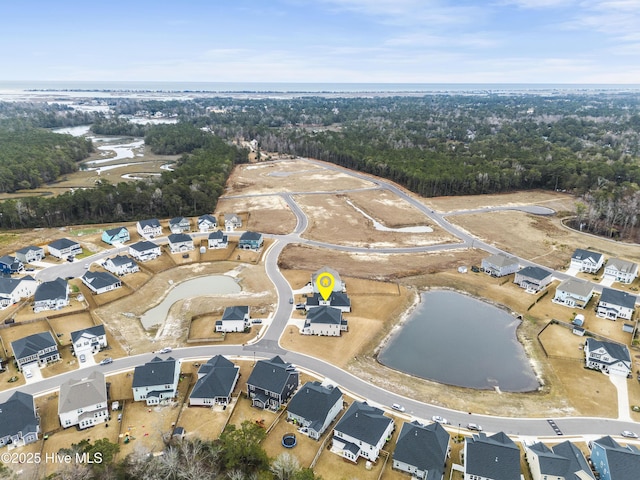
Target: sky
x: 327, y: 41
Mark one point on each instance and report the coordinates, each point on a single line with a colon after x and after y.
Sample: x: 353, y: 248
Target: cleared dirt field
x: 388, y: 209
x: 265, y: 214
x: 333, y: 220
x: 554, y: 200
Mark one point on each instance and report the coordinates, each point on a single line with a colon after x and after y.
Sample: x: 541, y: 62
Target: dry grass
x: 265, y: 214
x: 21, y: 330
x: 554, y: 200
x: 388, y: 209
x: 70, y: 323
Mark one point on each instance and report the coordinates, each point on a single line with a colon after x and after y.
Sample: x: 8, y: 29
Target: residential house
x: 616, y: 304
x: 492, y: 458
x: 500, y: 264
x: 613, y: 461
x: 422, y: 450
x: 234, y: 319
x: 30, y: 254
x: 10, y: 265
x: 83, y: 402
x: 216, y: 380
x: 619, y: 270
x: 38, y: 349
x: 156, y: 381
x: 251, y: 241
x: 271, y: 383
x: 232, y: 221
x: 608, y: 357
x: 64, y: 248
x: 149, y: 228
x: 207, y: 222
x: 52, y: 295
x: 324, y: 321
x: 89, y: 341
x: 337, y: 300
x: 12, y: 290
x: 19, y: 421
x: 586, y: 261
x: 180, y: 242
x: 100, y: 282
x: 533, y: 279
x: 338, y: 284
x: 180, y: 225
x: 116, y: 235
x: 564, y: 461
x: 218, y: 240
x: 574, y: 293
x: 314, y: 407
x: 361, y: 432
x: 144, y: 251
x: 121, y: 265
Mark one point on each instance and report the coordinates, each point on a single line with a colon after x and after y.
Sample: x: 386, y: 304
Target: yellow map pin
x: 325, y: 282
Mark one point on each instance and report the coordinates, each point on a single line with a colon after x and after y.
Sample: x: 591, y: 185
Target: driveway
x: 36, y: 374
x: 624, y: 412
x: 572, y: 271
x: 607, y: 282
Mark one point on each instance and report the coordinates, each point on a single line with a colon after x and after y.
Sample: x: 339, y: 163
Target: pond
x: 196, y: 287
x: 458, y: 340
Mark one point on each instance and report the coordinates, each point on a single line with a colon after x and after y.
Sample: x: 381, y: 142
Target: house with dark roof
x: 500, y: 264
x: 573, y: 293
x: 586, y: 261
x: 40, y: 348
x: 144, y: 251
x: 619, y: 270
x: 51, y: 295
x: 19, y: 422
x: 337, y: 300
x: 338, y: 284
x: 121, y: 265
x: 326, y: 321
x: 613, y: 461
x: 492, y: 458
x: 100, y: 282
x: 156, y: 381
x: 232, y: 221
x: 180, y: 242
x: 30, y: 254
x: 13, y: 290
x: 422, y: 450
x: 608, y: 357
x: 533, y: 279
x: 361, y: 432
x: 234, y: 319
x: 616, y: 304
x: 271, y: 383
x: 314, y: 407
x: 116, y: 235
x: 216, y: 380
x: 10, y: 265
x: 83, y: 402
x: 218, y: 239
x: 251, y: 241
x: 64, y: 248
x: 207, y: 223
x: 564, y: 461
x: 179, y: 225
x: 89, y: 341
x: 149, y: 228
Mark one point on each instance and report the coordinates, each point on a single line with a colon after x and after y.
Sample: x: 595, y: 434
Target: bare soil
x: 388, y: 209
x: 554, y: 200
x: 265, y: 214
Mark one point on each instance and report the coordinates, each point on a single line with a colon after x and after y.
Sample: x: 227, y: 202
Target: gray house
x: 620, y: 270
x: 145, y: 250
x: 533, y: 279
x: 64, y: 248
x: 564, y: 460
x: 326, y: 321
x: 232, y: 221
x: 234, y: 319
x: 180, y: 242
x: 156, y: 381
x: 37, y: 349
x: 492, y: 458
x: 218, y: 239
x: 608, y: 357
x: 51, y: 295
x: 83, y: 402
x: 179, y: 225
x: 121, y: 265
x: 421, y: 450
x: 207, y: 222
x: 100, y: 282
x: 314, y: 407
x: 271, y: 383
x: 573, y: 292
x: 616, y: 304
x: 216, y: 380
x: 19, y: 422
x: 149, y: 228
x: 500, y: 264
x: 30, y: 254
x: 586, y: 261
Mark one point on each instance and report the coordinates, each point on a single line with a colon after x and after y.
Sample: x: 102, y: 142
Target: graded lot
x: 265, y: 214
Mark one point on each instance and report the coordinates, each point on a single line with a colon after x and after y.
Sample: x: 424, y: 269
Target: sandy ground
x: 388, y: 209
x: 554, y: 200
x: 266, y: 214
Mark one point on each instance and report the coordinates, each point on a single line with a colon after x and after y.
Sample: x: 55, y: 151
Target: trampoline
x: 289, y: 440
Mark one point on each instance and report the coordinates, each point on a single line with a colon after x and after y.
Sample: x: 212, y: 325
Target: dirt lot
x: 388, y: 209
x: 265, y: 214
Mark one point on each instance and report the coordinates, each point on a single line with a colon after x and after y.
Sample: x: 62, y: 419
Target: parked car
x: 291, y: 301
x: 165, y: 350
x: 300, y: 306
x: 82, y: 358
x: 106, y: 361
x: 70, y: 258
x: 629, y: 434
x: 439, y: 419
x: 398, y: 407
x: 474, y: 426
x: 28, y: 373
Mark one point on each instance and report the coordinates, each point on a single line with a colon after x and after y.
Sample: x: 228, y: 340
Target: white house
x: 232, y: 221
x: 500, y: 264
x: 586, y: 261
x: 326, y: 321
x: 30, y: 254
x: 156, y: 382
x: 218, y: 239
x: 144, y: 251
x: 19, y: 421
x: 234, y: 319
x: 616, y: 304
x: 361, y: 432
x: 608, y: 357
x: 179, y: 225
x: 83, y: 402
x: 533, y: 279
x: 121, y: 265
x: 216, y: 380
x: 89, y: 341
x: 180, y: 242
x: 38, y: 349
x: 149, y: 228
x: 620, y: 270
x: 12, y: 290
x: 573, y: 292
x: 100, y: 282
x: 51, y: 295
x: 64, y: 248
x: 207, y: 223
